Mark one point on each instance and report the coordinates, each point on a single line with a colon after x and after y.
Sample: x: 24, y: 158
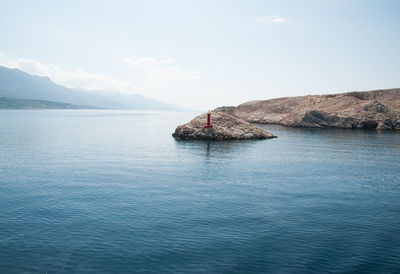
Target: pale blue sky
x: 204, y: 54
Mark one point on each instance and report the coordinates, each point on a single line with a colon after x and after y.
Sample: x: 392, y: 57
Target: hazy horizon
x: 206, y: 54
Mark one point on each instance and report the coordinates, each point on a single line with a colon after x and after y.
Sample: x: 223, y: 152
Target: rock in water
x: 225, y: 127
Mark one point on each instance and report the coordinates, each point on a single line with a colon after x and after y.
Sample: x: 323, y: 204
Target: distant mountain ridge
x: 17, y: 84
x: 13, y: 103
x: 375, y: 109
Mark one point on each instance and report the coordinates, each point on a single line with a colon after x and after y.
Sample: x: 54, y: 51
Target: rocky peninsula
x: 224, y: 127
x: 376, y: 109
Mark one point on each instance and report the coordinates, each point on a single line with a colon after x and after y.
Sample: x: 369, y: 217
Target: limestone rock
x: 225, y: 127
x: 377, y: 109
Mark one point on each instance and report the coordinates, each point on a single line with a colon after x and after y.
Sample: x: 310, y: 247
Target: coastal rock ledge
x: 224, y: 127
x: 375, y: 109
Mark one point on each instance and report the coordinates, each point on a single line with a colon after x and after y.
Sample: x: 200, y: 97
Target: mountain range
x: 17, y: 86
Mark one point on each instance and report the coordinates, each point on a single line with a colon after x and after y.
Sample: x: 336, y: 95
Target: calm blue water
x: 112, y: 191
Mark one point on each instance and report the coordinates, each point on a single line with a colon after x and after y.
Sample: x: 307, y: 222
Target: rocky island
x: 377, y: 109
x: 222, y: 126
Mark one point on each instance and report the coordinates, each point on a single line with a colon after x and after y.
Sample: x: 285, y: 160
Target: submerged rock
x: 224, y: 127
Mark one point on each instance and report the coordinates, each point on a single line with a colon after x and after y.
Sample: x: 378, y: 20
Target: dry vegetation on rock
x: 377, y: 109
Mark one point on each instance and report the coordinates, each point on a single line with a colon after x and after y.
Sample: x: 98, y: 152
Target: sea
x: 111, y: 191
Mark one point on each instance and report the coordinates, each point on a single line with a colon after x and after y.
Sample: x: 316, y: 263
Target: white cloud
x: 1, y: 54
x: 148, y: 61
x: 161, y: 71
x: 151, y: 77
x: 272, y: 19
x: 73, y: 79
x: 173, y: 74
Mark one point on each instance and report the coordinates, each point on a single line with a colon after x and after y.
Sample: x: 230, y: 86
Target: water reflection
x: 212, y: 149
x: 339, y: 138
x: 293, y: 140
x: 206, y: 148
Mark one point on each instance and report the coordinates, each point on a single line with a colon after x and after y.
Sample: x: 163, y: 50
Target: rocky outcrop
x: 225, y: 127
x: 377, y: 109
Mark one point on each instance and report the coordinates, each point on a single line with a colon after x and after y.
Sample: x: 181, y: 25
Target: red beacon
x: 208, y: 125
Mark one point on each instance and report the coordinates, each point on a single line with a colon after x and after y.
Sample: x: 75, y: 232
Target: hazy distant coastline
x: 24, y: 90
x: 15, y: 103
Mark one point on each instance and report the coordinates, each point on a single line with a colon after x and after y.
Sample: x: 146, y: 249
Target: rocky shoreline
x: 224, y: 127
x: 377, y: 109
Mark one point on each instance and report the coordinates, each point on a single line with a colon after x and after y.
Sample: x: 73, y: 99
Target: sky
x: 206, y: 54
